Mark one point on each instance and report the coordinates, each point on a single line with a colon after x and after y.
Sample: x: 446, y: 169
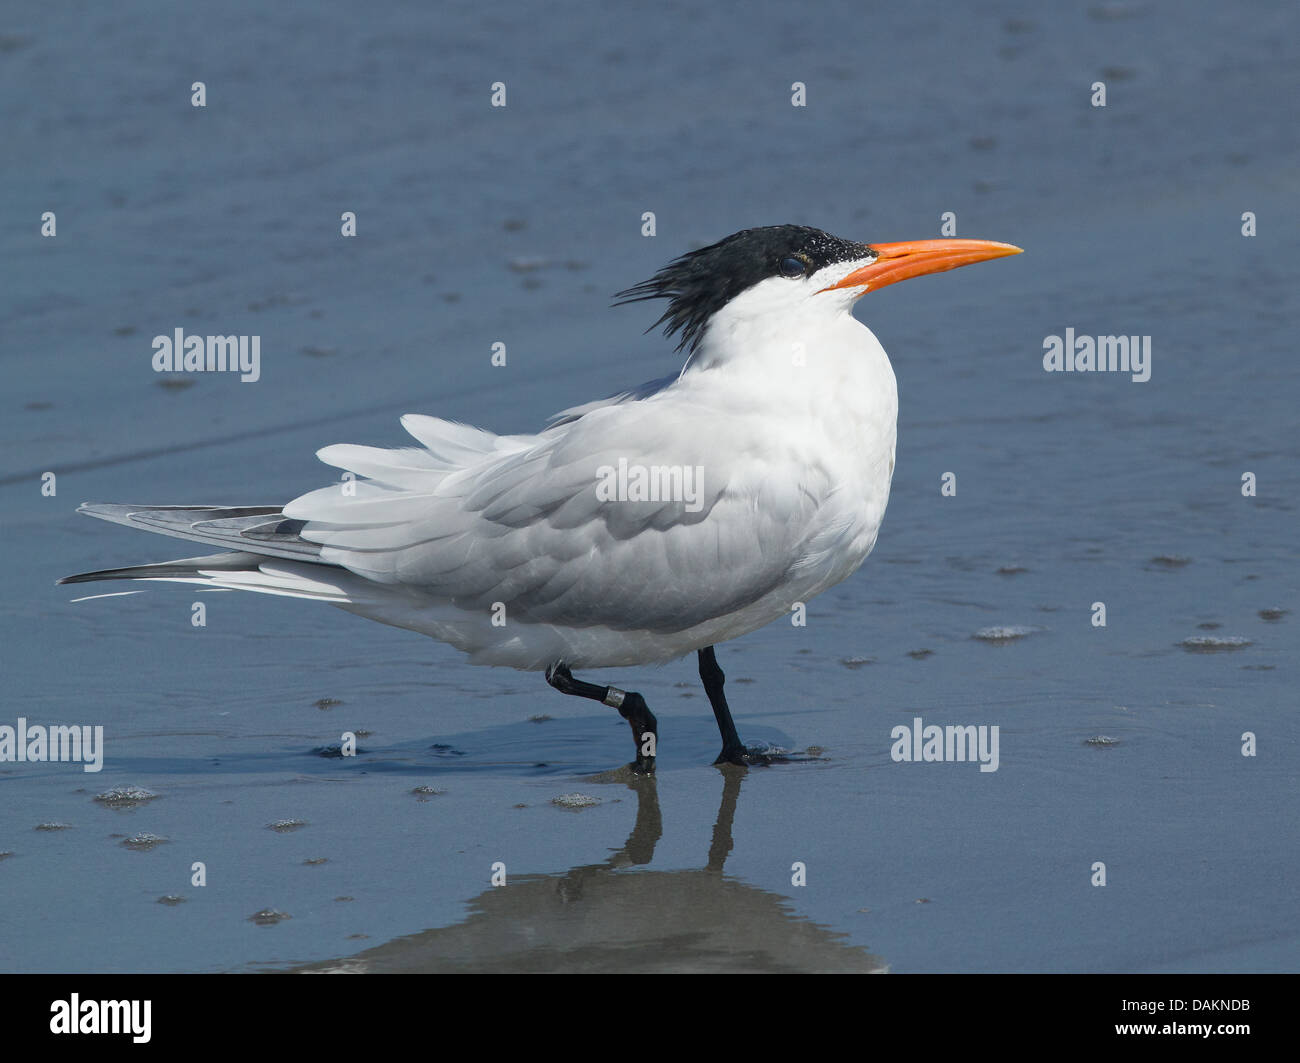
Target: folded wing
x: 470, y: 519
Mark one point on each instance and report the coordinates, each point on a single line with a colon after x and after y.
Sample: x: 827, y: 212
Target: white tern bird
x: 635, y: 529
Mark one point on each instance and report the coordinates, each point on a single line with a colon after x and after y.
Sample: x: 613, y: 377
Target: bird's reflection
x: 611, y: 917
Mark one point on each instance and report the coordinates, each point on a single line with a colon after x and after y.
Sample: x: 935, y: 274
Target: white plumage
x: 781, y: 429
x: 796, y: 464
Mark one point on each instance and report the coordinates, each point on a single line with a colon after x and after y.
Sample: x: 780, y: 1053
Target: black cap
x: 700, y: 283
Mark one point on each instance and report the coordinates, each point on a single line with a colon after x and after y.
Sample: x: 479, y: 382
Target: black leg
x: 733, y: 750
x: 631, y: 706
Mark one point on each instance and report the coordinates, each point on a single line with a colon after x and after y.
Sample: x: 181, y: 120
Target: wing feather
x: 521, y: 522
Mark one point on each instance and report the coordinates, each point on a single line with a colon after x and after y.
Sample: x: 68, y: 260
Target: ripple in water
x: 143, y: 841
x: 575, y: 801
x: 1213, y: 644
x: 1005, y: 633
x: 125, y: 796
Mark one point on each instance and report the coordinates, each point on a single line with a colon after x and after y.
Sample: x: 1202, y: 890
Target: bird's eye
x: 792, y: 267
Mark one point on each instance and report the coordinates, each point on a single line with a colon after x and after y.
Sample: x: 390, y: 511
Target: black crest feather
x: 700, y: 283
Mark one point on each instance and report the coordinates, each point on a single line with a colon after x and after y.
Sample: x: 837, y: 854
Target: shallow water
x: 1119, y: 745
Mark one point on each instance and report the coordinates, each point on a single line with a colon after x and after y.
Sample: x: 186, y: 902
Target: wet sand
x: 1120, y: 745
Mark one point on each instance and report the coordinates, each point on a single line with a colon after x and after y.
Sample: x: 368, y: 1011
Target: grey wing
x: 261, y: 530
x: 643, y: 391
x: 525, y: 525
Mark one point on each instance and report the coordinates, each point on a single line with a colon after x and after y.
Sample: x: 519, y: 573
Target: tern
x: 635, y: 529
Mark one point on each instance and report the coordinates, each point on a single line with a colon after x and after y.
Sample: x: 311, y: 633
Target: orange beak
x: 913, y: 258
